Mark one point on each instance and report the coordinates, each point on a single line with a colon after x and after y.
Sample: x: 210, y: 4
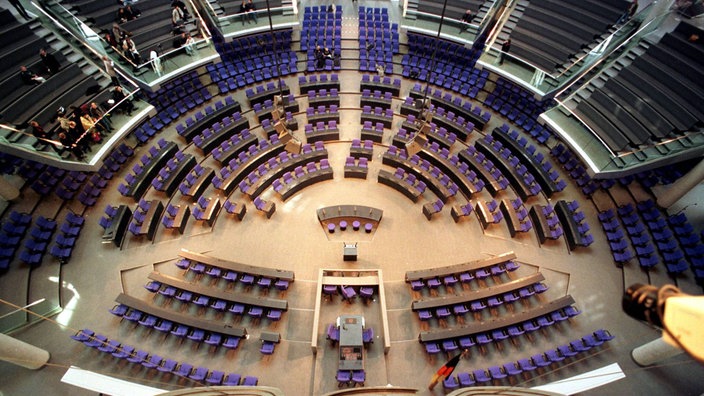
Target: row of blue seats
x: 525, y: 365
x: 152, y: 361
x: 498, y: 335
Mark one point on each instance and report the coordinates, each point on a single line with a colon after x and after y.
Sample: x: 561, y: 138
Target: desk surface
x: 497, y: 323
x: 457, y: 268
x: 332, y: 212
x: 541, y: 176
x: 214, y: 292
x: 478, y: 294
x: 177, y: 317
x: 237, y: 267
x: 118, y: 225
x: 518, y: 183
x: 432, y: 182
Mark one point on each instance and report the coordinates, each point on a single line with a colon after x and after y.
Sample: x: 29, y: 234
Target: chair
x: 480, y: 376
x: 198, y: 374
x: 231, y: 342
x: 267, y: 347
x: 343, y: 378
x: 232, y: 379
x: 465, y: 379
x: 358, y: 377
x: 215, y: 377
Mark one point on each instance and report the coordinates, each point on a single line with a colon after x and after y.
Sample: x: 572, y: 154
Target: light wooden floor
x: 293, y: 239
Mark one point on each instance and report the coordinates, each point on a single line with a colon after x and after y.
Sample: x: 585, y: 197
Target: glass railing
x: 152, y: 64
x: 549, y: 83
x: 232, y: 24
x: 452, y: 25
x: 85, y: 149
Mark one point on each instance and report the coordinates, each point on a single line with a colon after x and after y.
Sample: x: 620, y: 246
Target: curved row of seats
x: 526, y: 365
x: 165, y: 365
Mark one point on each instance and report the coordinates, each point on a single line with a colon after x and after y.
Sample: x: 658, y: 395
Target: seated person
x: 176, y: 16
x: 118, y: 96
x: 182, y: 6
x: 130, y: 49
x: 121, y: 15
x: 132, y: 13
x: 30, y: 78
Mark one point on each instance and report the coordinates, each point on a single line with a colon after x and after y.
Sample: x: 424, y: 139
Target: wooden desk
x: 458, y: 268
x: 508, y: 170
x: 382, y: 86
x: 324, y: 117
x: 241, y: 146
x: 484, y: 214
x: 171, y: 183
x: 569, y: 225
x: 302, y: 182
x: 143, y: 180
x: 372, y: 134
x: 373, y: 102
x: 324, y: 100
x: 433, y: 183
x: 323, y: 135
x: 374, y: 118
x: 356, y: 172
x: 498, y: 323
x: 211, y: 210
x: 237, y: 267
x: 177, y: 317
x: 270, y: 336
x: 208, y: 120
x: 477, y: 120
x: 535, y: 167
x: 211, y: 142
x: 514, y: 225
x: 540, y: 223
x: 251, y: 163
x: 261, y: 97
x: 214, y: 292
x: 151, y: 219
x: 388, y: 179
x: 115, y: 233
x: 349, y: 211
x: 480, y: 294
x: 268, y: 178
x: 181, y: 218
x: 317, y: 85
x: 466, y: 186
x: 490, y: 183
x: 201, y: 184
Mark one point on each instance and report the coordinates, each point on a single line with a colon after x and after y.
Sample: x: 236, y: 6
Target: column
x: 22, y: 354
x: 678, y: 189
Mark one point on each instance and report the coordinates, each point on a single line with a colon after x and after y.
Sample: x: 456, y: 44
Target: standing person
x: 49, y: 61
x: 505, y: 48
x: 466, y: 20
x: 243, y: 11
x: 30, y: 78
x: 130, y: 49
x: 97, y: 113
x: 126, y: 106
x: 110, y: 70
x: 20, y: 9
x: 447, y: 369
x: 252, y: 11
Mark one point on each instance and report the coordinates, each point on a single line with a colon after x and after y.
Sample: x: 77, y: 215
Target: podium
x: 349, y: 252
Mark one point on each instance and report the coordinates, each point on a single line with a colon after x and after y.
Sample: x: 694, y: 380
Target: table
x: 237, y: 267
x: 177, y: 317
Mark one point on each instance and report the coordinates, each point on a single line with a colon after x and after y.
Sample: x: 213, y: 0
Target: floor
x: 293, y: 239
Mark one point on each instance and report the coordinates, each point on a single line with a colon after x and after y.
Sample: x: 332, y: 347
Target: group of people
x: 179, y: 14
x: 49, y: 65
x: 321, y: 54
x: 127, y: 13
x: 78, y: 128
x: 121, y: 40
x: 248, y: 11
